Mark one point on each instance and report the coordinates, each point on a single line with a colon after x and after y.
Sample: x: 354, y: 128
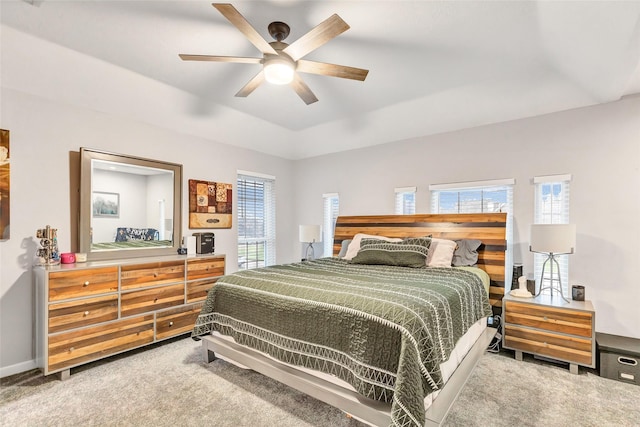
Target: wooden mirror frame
x: 87, y: 155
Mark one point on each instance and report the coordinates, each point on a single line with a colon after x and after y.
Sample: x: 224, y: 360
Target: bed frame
x: 489, y: 228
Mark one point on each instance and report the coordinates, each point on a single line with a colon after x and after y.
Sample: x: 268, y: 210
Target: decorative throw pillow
x: 354, y: 246
x: 440, y: 252
x: 343, y: 248
x: 410, y: 252
x: 466, y: 254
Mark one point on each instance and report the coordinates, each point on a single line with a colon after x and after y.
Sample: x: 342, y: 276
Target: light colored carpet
x: 170, y: 385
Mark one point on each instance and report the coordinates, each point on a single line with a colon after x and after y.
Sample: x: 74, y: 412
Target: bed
x: 128, y: 237
x: 373, y: 340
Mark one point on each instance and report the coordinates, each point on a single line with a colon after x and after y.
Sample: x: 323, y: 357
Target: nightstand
x: 550, y: 327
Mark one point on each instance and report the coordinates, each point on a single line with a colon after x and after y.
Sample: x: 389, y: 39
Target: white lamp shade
x: 310, y: 233
x: 553, y: 238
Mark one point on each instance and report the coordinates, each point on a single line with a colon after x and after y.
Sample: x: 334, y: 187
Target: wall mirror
x: 129, y: 206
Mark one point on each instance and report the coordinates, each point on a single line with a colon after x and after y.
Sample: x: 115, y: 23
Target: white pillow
x: 354, y: 246
x: 441, y: 252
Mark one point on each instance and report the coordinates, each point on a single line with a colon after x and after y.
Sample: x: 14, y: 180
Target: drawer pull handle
x: 71, y: 349
x: 545, y: 318
x: 155, y: 274
x: 86, y: 283
x: 627, y: 361
x: 86, y: 313
x: 170, y: 323
x: 155, y: 300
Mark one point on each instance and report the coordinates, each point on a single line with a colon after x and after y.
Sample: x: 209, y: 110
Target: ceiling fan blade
x: 232, y: 14
x: 322, y: 33
x: 333, y: 70
x: 303, y: 90
x: 188, y: 57
x: 251, y: 86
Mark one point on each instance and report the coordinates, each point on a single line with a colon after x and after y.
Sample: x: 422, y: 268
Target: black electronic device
x: 205, y: 243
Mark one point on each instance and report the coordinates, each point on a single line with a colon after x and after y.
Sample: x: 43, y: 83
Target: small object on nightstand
x: 577, y: 293
x: 522, y: 291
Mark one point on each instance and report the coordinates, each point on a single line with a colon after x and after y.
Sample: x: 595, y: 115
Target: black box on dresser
x: 619, y: 358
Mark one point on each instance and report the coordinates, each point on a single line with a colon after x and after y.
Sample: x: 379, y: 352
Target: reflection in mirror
x: 128, y: 206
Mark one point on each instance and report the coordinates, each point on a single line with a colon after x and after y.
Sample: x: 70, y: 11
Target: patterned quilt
x: 384, y: 330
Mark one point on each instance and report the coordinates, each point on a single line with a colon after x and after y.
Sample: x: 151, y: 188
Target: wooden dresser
x: 88, y: 311
x: 551, y: 327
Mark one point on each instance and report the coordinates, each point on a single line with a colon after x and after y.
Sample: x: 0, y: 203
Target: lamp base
x: 310, y: 255
x: 550, y: 260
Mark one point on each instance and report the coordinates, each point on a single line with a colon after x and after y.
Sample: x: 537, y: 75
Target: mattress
x: 385, y: 331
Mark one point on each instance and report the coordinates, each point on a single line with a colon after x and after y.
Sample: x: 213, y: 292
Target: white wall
x: 133, y: 209
x: 599, y: 146
x: 43, y: 133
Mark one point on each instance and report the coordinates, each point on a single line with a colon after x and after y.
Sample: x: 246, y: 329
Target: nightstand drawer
x: 205, y: 268
x: 152, y: 274
x: 75, y: 314
x: 151, y: 299
x: 555, y: 319
x: 82, y: 283
x: 72, y: 348
x: 176, y: 321
x: 557, y: 346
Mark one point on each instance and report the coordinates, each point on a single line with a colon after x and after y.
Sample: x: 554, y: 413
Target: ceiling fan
x: 281, y: 61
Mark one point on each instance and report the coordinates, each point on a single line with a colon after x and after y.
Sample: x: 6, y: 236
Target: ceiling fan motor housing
x: 278, y: 30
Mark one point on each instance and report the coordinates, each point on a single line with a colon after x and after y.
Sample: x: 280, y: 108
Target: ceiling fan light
x: 278, y: 71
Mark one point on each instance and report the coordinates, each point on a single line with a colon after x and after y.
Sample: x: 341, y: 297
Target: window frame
x: 330, y: 212
x: 559, y: 214
x: 508, y: 185
x: 405, y: 200
x: 266, y: 241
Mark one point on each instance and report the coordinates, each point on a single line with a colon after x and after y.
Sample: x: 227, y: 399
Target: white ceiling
x: 435, y: 66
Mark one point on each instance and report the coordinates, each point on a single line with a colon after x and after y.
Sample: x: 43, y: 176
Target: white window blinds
x: 552, y: 207
x: 331, y: 203
x: 256, y: 220
x: 479, y: 197
x: 405, y: 201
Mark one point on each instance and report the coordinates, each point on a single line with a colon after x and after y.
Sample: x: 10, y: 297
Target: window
x: 405, y: 200
x: 479, y: 196
x: 256, y: 220
x: 552, y: 207
x: 331, y: 203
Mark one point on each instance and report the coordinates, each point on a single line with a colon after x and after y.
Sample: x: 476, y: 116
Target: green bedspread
x: 385, y: 330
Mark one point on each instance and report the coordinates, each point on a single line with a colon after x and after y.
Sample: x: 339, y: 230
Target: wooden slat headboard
x: 489, y: 228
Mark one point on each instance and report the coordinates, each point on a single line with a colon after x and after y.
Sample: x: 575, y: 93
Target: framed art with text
x: 5, y: 184
x: 210, y: 204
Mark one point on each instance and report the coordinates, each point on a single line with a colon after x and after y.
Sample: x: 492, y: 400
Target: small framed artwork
x: 5, y: 186
x: 210, y: 204
x: 106, y: 205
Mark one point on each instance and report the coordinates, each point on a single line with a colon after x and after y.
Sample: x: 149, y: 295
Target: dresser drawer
x: 84, y: 345
x: 205, y: 268
x: 555, y: 319
x: 82, y: 283
x: 176, y: 321
x: 75, y: 314
x: 197, y: 290
x: 137, y: 302
x: 151, y: 274
x: 557, y: 346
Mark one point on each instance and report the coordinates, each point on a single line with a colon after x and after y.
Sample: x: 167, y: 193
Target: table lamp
x: 552, y: 240
x: 310, y: 234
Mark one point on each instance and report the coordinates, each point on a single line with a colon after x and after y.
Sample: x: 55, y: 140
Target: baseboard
x: 18, y: 368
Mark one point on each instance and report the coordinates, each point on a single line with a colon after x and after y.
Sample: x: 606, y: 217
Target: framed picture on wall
x: 210, y: 204
x: 106, y: 205
x: 5, y: 172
